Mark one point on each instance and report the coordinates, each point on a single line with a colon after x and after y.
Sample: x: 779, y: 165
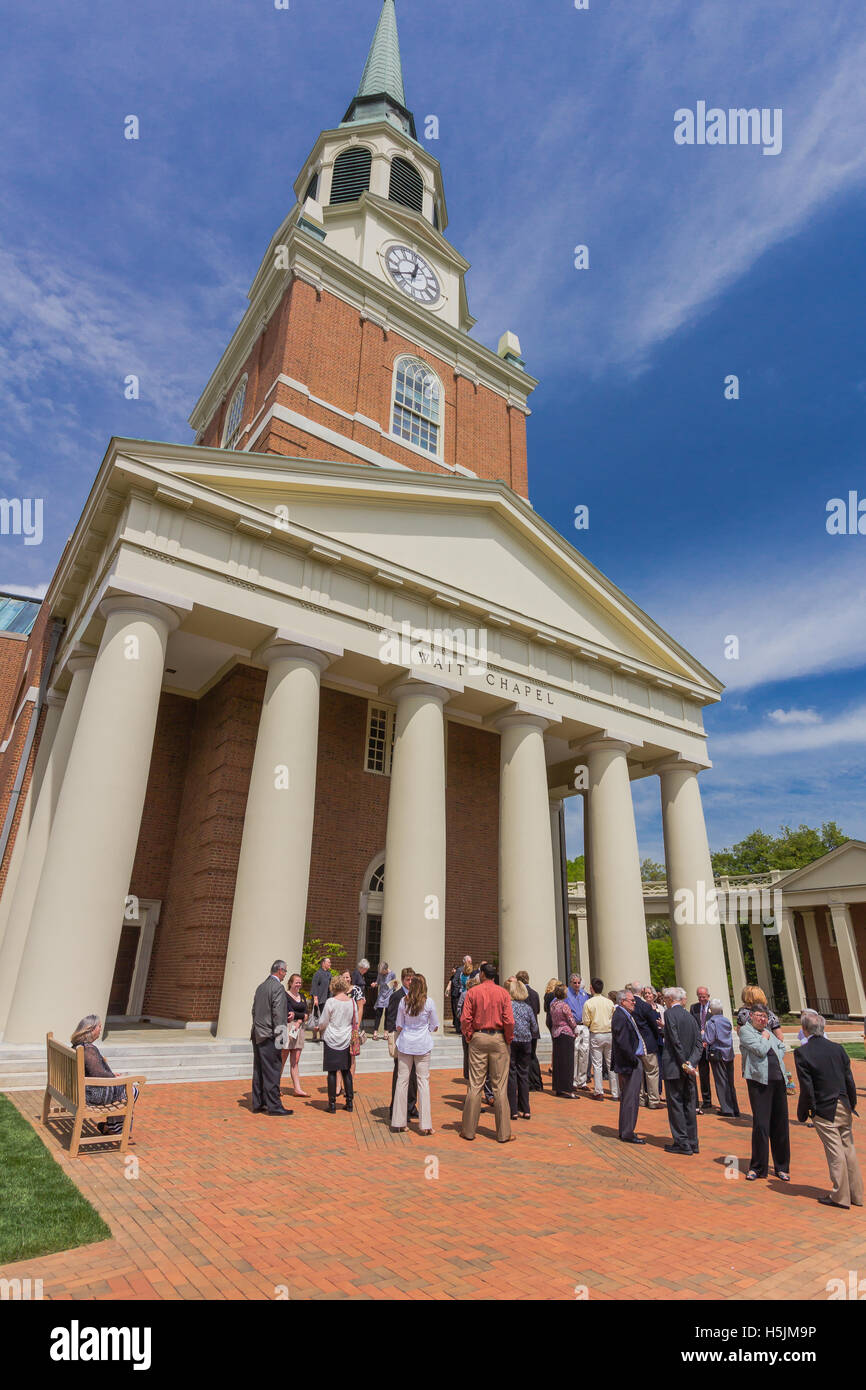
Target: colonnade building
x: 326, y: 671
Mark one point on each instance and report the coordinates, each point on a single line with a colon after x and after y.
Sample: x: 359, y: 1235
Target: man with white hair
x: 719, y: 1042
x: 682, y: 1051
x: 648, y: 1025
x: 828, y: 1094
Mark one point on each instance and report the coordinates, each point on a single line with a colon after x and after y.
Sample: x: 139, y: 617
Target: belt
x: 491, y: 1030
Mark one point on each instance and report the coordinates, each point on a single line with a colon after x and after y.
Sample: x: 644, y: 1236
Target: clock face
x: 413, y: 275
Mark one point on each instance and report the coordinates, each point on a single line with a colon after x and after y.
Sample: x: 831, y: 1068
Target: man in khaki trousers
x: 487, y: 1022
x: 828, y: 1094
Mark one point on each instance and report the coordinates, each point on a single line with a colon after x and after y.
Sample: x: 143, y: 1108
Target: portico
x: 204, y: 594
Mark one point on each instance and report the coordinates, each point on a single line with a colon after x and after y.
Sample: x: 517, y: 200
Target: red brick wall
x: 832, y: 966
x: 13, y: 685
x: 348, y: 362
x: 190, y: 945
x: 805, y: 958
x: 193, y: 822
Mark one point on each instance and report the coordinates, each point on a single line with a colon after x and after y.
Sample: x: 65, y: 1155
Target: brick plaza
x: 224, y: 1200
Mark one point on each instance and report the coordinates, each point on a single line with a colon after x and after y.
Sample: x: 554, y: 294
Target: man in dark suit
x: 627, y: 1048
x: 682, y: 1051
x: 828, y: 1094
x: 701, y: 1012
x: 269, y: 1035
x: 648, y: 1025
x: 406, y: 977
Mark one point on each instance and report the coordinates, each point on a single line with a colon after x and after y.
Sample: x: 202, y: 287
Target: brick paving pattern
x: 224, y: 1199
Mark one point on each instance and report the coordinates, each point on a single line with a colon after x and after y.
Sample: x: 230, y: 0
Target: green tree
x: 759, y: 852
x: 576, y: 869
x: 312, y: 955
x: 661, y: 958
x: 650, y: 870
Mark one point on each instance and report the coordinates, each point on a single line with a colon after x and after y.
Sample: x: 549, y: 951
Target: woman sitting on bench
x: 95, y: 1065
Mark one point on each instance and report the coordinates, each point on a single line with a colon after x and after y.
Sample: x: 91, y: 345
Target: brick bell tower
x: 356, y: 344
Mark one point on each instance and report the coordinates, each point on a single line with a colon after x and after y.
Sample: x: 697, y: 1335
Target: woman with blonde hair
x: 417, y: 1021
x: 525, y: 1029
x: 753, y: 997
x: 95, y: 1065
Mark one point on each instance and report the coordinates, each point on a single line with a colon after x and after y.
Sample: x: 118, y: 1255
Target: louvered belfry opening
x: 407, y: 187
x: 351, y: 175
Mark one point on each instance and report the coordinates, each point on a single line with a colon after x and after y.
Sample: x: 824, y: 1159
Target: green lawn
x: 41, y: 1209
x: 855, y: 1050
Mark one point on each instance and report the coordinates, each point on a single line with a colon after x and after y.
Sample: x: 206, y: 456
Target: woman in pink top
x: 564, y: 1028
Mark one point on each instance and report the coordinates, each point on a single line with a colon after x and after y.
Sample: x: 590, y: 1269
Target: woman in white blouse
x: 336, y: 1023
x: 417, y: 1021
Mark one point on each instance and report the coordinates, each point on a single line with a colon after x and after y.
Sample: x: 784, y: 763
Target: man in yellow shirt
x: 597, y: 1015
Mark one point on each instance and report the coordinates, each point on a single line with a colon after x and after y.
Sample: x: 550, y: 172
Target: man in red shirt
x: 488, y: 1026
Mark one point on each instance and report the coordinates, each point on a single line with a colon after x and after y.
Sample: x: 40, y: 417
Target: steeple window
x: 417, y: 411
x: 407, y: 187
x: 351, y: 175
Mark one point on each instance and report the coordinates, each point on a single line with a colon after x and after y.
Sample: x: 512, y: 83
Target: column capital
x: 135, y: 604
x: 677, y: 764
x: 520, y: 719
x: 603, y: 742
x: 406, y: 686
x: 55, y: 699
x: 293, y: 651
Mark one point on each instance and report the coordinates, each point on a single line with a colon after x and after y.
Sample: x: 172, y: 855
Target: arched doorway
x: 371, y: 907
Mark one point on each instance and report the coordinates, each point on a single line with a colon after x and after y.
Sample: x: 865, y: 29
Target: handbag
x: 358, y: 1035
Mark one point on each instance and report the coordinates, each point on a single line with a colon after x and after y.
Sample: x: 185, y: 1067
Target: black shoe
x: 332, y: 1107
x: 279, y: 1112
x: 696, y: 1149
x: 413, y: 1114
x: 828, y: 1202
x: 633, y: 1140
x: 350, y: 1105
x: 676, y: 1149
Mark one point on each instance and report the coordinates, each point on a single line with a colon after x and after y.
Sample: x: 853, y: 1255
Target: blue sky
x: 556, y: 129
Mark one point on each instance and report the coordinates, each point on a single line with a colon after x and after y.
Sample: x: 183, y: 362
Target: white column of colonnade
x: 527, y: 902
x: 816, y: 958
x: 695, y: 920
x: 270, y: 901
x: 848, y: 958
x: 54, y: 708
x: 413, y: 918
x: 34, y: 850
x: 557, y: 845
x: 618, y: 941
x: 69, y: 956
x: 791, y: 961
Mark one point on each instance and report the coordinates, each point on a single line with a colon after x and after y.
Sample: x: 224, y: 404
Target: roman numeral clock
x: 413, y: 275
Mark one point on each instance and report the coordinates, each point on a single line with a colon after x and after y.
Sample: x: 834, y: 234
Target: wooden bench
x: 66, y: 1085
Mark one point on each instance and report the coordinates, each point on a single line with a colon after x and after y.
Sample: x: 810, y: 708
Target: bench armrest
x: 112, y: 1081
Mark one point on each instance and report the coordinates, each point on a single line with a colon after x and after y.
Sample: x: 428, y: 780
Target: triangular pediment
x: 476, y: 540
x: 840, y: 868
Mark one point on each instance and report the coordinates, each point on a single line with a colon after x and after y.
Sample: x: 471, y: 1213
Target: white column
x: 270, y: 902
x: 413, y: 917
x: 762, y: 959
x: 848, y: 959
x: 557, y: 844
x: 695, y: 923
x: 816, y: 957
x: 54, y: 705
x: 736, y: 959
x: 35, y: 847
x: 69, y: 957
x: 791, y: 961
x: 527, y: 903
x: 618, y: 932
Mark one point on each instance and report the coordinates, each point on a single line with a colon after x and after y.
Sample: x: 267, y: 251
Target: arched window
x: 312, y: 188
x: 377, y: 880
x: 234, y: 415
x: 407, y: 186
x: 417, y: 413
x: 351, y: 175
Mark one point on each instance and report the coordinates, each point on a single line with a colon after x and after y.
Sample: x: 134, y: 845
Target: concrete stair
x: 166, y: 1058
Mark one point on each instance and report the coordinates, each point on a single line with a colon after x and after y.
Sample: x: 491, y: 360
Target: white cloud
x: 794, y: 716
x: 848, y: 727
x: 669, y: 228
x: 25, y: 590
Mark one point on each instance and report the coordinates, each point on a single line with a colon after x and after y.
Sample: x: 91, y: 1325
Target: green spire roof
x: 381, y: 95
x: 383, y: 72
